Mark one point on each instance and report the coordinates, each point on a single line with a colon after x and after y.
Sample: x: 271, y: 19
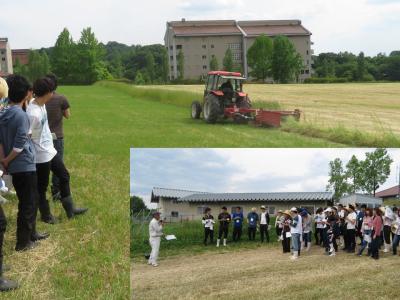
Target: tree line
x: 359, y: 176
x: 345, y: 66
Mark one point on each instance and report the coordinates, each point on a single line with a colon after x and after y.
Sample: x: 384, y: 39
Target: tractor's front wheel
x: 196, y: 110
x: 211, y: 109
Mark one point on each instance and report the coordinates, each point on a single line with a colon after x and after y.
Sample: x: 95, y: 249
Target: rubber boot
x: 45, y: 214
x: 224, y: 242
x: 295, y: 255
x: 70, y: 209
x: 7, y: 285
x: 308, y: 246
x: 387, y: 246
x: 37, y: 236
x: 218, y: 242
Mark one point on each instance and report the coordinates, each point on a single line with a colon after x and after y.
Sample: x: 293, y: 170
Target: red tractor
x: 224, y: 98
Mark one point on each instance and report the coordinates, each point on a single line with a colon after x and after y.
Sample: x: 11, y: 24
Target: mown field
x: 331, y: 109
x: 265, y: 272
x: 88, y: 257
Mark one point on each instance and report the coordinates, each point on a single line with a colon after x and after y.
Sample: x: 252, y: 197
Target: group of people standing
x: 254, y: 220
x: 32, y: 146
x: 340, y: 226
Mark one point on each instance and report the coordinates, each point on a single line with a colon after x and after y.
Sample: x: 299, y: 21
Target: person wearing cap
x: 377, y: 224
x: 208, y: 223
x: 252, y: 220
x: 306, y: 229
x: 155, y: 234
x: 264, y: 223
x: 286, y: 231
x: 237, y: 218
x: 319, y: 226
x: 396, y: 234
x: 351, y: 220
x: 224, y: 219
x: 296, y: 231
x: 388, y: 219
x: 279, y: 219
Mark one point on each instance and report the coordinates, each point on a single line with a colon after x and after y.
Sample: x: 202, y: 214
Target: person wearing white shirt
x: 351, y: 220
x: 396, y: 236
x: 388, y: 219
x: 155, y: 234
x: 208, y: 223
x: 296, y: 230
x: 46, y: 155
x: 264, y: 222
x: 319, y: 226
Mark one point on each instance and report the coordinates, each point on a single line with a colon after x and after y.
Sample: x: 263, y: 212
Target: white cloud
x: 358, y: 25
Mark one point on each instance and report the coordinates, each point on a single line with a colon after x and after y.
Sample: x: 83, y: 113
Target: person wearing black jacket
x: 224, y: 219
x: 264, y: 223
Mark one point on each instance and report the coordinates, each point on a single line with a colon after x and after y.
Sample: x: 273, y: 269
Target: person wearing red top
x: 377, y: 223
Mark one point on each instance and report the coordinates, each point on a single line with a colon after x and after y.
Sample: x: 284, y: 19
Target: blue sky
x: 371, y: 26
x: 239, y: 170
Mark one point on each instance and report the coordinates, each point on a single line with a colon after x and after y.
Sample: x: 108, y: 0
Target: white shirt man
x: 351, y: 220
x: 155, y: 234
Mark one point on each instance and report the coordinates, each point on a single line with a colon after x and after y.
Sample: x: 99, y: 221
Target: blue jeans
x: 396, y: 240
x: 296, y: 241
x: 364, y: 243
x: 306, y: 238
x: 55, y: 181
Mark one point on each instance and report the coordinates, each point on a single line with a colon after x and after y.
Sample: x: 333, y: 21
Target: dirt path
x: 256, y: 274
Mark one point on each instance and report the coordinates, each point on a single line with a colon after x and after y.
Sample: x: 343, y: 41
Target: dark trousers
x: 25, y: 185
x: 3, y: 226
x: 208, y: 233
x: 237, y: 233
x: 351, y: 240
x: 319, y: 239
x: 285, y: 243
x: 386, y: 234
x: 375, y: 247
x: 55, y: 182
x: 43, y: 173
x: 346, y: 239
x: 223, y: 231
x: 252, y: 233
x: 58, y: 168
x: 264, y: 232
x: 278, y: 231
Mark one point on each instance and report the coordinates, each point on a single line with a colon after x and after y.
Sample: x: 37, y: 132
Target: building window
x: 307, y: 52
x: 237, y: 56
x: 204, y: 57
x: 308, y: 62
x: 271, y: 210
x: 201, y: 209
x: 3, y: 59
x: 171, y: 57
x: 178, y: 47
x: 171, y: 48
x: 235, y: 46
x: 174, y: 214
x: 204, y: 46
x: 307, y: 71
x: 212, y: 46
x: 172, y: 68
x: 2, y: 52
x: 204, y: 67
x: 302, y: 71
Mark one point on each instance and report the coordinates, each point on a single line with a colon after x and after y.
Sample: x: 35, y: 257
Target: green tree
x: 139, y: 80
x: 137, y: 205
x: 214, y: 63
x: 376, y: 169
x: 259, y: 57
x: 361, y: 68
x: 286, y: 62
x: 63, y: 57
x: 354, y: 173
x: 181, y: 65
x: 38, y: 65
x: 150, y: 66
x: 228, y: 60
x: 337, y: 179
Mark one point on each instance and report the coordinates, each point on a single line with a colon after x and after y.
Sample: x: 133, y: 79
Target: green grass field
x: 86, y: 258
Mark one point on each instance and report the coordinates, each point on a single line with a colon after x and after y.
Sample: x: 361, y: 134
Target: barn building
x: 177, y: 204
x: 200, y: 41
x: 20, y: 55
x: 391, y: 193
x: 368, y: 200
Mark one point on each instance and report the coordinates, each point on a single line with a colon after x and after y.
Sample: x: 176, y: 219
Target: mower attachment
x: 260, y: 116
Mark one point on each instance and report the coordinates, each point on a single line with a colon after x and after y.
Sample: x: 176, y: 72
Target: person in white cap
x: 155, y: 234
x: 296, y: 230
x: 264, y: 223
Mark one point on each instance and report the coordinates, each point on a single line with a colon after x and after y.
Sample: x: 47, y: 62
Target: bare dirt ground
x: 267, y: 273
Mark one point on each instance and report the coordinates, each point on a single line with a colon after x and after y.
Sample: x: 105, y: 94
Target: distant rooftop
x: 390, y: 192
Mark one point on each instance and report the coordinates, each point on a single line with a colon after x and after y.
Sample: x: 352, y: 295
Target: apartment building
x: 6, y: 66
x: 200, y: 41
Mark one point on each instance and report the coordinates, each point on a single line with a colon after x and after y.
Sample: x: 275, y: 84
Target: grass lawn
x: 265, y: 272
x: 88, y: 257
x: 366, y: 107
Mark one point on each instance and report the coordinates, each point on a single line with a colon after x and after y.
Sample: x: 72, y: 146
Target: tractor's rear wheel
x: 211, y: 109
x: 196, y: 110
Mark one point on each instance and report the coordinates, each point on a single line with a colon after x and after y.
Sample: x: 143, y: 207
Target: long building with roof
x: 176, y: 204
x: 200, y: 41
